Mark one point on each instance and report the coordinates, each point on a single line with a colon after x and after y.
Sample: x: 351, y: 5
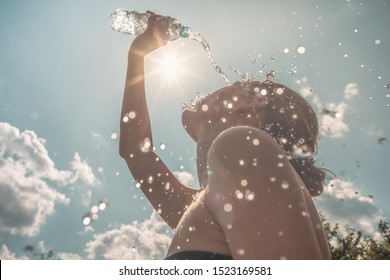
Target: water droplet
x: 280, y: 233
x: 283, y: 140
x: 285, y: 185
x: 192, y: 228
x: 94, y: 209
x: 228, y: 207
x: 293, y: 70
x: 167, y: 186
x: 244, y: 182
x: 114, y: 136
x: 100, y: 169
x: 150, y: 179
x: 132, y: 115
x: 240, y: 252
x: 382, y: 140
x: 271, y: 74
x: 294, y: 116
x: 223, y: 120
x: 125, y: 119
x: 279, y: 90
x: 239, y: 194
x: 94, y: 216
x: 256, y: 89
x: 86, y: 220
x: 146, y: 145
x: 280, y: 164
x: 205, y: 107
x: 163, y: 146
x: 256, y: 142
x: 286, y: 50
x: 138, y: 185
x: 241, y: 162
x: 304, y: 214
x: 272, y: 179
x: 282, y: 258
x: 302, y: 152
x: 103, y: 205
x: 387, y: 85
x: 301, y: 50
x: 249, y: 195
x: 263, y: 92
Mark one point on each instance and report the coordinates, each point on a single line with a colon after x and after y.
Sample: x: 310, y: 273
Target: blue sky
x: 62, y: 72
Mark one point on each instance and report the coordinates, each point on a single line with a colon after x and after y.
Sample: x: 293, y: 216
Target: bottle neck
x: 185, y: 31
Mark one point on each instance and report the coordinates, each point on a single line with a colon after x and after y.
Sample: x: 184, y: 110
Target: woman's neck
x: 202, y: 149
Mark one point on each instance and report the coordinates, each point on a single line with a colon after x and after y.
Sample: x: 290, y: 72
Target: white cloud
x: 184, y: 177
x: 332, y: 120
x: 351, y: 90
x: 26, y: 199
x: 98, y: 140
x: 137, y: 241
x: 343, y: 203
x: 82, y: 171
x: 306, y: 91
x: 6, y: 254
x: 68, y: 256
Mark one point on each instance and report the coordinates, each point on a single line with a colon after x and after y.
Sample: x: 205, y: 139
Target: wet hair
x: 292, y: 122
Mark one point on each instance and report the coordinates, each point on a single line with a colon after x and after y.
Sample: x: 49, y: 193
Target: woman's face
x: 226, y: 107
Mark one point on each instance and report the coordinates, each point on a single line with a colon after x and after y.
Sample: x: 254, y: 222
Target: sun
x: 170, y: 66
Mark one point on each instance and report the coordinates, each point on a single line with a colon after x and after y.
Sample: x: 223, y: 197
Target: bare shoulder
x: 244, y: 149
x: 254, y: 192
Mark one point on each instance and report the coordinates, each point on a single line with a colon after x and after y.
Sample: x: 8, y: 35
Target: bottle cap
x: 185, y: 31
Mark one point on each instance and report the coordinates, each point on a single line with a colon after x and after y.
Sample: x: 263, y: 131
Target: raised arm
x: 167, y: 195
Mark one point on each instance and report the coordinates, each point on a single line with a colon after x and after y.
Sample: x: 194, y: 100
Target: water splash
x: 199, y: 98
x: 197, y: 37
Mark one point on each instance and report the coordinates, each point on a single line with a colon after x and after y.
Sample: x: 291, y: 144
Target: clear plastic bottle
x: 135, y: 23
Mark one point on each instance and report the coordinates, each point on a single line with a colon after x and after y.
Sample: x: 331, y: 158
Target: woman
x: 255, y: 142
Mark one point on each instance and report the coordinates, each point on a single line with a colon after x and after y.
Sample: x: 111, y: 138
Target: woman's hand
x: 154, y: 37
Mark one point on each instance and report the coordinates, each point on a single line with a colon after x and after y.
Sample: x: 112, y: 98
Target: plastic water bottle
x: 135, y: 23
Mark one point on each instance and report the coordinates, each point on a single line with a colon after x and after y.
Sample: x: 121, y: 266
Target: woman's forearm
x: 135, y: 128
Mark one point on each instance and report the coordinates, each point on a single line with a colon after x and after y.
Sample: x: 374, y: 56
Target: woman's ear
x: 251, y: 104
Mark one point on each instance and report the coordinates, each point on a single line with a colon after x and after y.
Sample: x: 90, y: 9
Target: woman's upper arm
x: 255, y: 196
x: 164, y: 191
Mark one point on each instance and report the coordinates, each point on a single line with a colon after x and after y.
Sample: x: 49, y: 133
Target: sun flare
x: 170, y: 65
